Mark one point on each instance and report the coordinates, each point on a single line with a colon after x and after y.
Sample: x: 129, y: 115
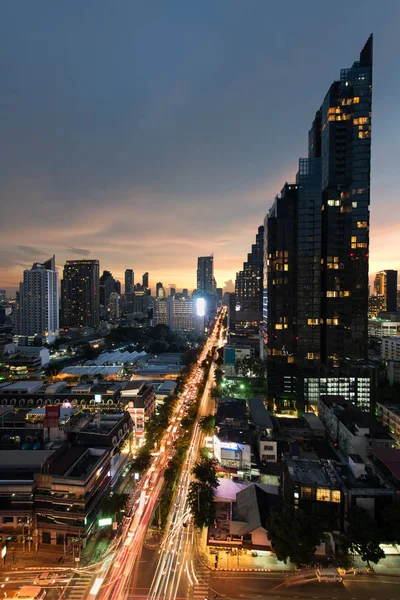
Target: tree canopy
x: 363, y: 536
x: 294, y: 535
x: 207, y: 424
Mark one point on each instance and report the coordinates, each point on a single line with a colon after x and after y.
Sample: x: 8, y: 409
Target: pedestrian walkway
x: 201, y: 581
x: 78, y: 588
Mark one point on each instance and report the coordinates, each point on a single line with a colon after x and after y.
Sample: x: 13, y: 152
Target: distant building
x: 185, y: 293
x: 161, y: 311
x: 376, y: 305
x: 160, y: 292
x: 114, y: 306
x: 80, y: 302
x: 38, y: 303
x: 181, y: 313
x: 107, y: 285
x: 385, y: 284
x: 145, y: 280
x: 205, y: 275
x: 140, y: 399
x: 248, y: 285
x: 129, y: 281
x: 383, y: 326
x: 390, y: 417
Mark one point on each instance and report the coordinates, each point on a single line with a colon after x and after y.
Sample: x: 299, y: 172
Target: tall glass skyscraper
x: 316, y: 237
x: 80, y: 298
x: 205, y: 275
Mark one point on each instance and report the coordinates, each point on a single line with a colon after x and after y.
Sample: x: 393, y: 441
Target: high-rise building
x: 185, y: 293
x: 181, y: 313
x: 205, y: 275
x: 38, y: 302
x: 160, y: 316
x: 317, y: 237
x: 107, y: 285
x: 129, y: 281
x: 172, y: 291
x: 375, y: 305
x: 160, y: 291
x: 3, y: 297
x: 385, y: 284
x: 80, y: 305
x: 114, y: 306
x: 248, y: 285
x: 145, y: 280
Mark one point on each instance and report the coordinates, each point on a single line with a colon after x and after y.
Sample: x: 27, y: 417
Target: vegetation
x: 156, y: 339
x: 294, y: 535
x: 114, y: 506
x: 207, y: 424
x: 362, y: 536
x: 201, y: 492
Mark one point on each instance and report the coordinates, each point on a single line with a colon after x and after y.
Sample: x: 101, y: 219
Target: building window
x: 335, y: 495
x: 8, y: 520
x: 307, y: 493
x: 323, y: 495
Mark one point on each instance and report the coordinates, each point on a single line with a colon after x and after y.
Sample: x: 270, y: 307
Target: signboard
x: 200, y: 307
x: 97, y: 398
x: 105, y: 522
x: 52, y: 415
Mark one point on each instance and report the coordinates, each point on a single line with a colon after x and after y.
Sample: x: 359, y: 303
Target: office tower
x: 80, y: 305
x: 317, y: 239
x: 107, y: 285
x: 160, y: 316
x: 248, y: 284
x: 114, y: 306
x: 219, y: 292
x: 172, y: 291
x: 185, y: 293
x: 375, y: 305
x: 129, y: 281
x: 160, y: 291
x: 145, y: 280
x: 385, y: 285
x: 205, y: 275
x: 3, y: 297
x: 181, y: 313
x: 38, y: 302
x: 345, y: 166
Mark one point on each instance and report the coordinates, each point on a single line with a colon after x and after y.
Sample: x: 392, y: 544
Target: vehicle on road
x: 328, y: 575
x: 46, y: 578
x: 30, y: 592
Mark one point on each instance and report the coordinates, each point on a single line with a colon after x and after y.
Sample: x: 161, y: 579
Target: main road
x: 115, y: 575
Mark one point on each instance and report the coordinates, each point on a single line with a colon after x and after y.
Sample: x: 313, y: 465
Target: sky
x: 148, y: 133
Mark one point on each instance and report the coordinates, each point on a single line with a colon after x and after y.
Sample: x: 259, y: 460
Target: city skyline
x: 151, y: 200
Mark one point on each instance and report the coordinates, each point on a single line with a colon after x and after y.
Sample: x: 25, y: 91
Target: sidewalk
x: 265, y: 561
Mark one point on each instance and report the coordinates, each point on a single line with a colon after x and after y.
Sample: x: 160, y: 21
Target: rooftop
x: 232, y: 434
x: 390, y: 458
x: 305, y: 471
x: 259, y: 413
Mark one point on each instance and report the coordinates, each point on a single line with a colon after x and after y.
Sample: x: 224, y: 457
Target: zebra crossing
x: 78, y: 587
x: 201, y: 582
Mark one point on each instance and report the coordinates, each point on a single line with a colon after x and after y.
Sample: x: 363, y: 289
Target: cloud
x: 80, y: 251
x: 31, y: 250
x: 229, y: 286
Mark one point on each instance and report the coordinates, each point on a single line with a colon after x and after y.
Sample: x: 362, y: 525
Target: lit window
x: 286, y: 267
x: 278, y: 326
x: 323, y: 495
x: 353, y: 238
x: 335, y: 495
x: 362, y: 224
x: 306, y: 493
x: 312, y: 322
x: 331, y: 294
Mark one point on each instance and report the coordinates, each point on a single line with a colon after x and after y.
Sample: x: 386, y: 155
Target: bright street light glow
x: 96, y: 586
x: 200, y: 307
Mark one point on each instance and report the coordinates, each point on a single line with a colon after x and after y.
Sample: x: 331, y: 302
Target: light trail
x: 118, y: 566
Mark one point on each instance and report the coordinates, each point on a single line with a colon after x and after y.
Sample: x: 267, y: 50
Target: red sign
x: 52, y: 415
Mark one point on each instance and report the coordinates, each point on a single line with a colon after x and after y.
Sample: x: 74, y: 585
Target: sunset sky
x: 147, y: 133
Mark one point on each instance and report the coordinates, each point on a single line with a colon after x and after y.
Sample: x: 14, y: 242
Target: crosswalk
x: 78, y: 588
x: 202, y: 582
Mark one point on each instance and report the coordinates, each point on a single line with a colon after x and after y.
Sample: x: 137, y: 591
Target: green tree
x: 294, y: 535
x: 391, y: 523
x: 201, y: 503
x: 142, y: 460
x: 362, y: 536
x: 114, y: 506
x: 207, y: 424
x: 205, y: 471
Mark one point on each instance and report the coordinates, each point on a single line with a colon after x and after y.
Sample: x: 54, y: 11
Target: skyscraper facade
x: 38, y: 302
x: 145, y: 280
x: 205, y: 275
x: 316, y: 237
x: 129, y: 281
x: 385, y: 285
x: 107, y: 285
x: 248, y: 284
x: 80, y: 301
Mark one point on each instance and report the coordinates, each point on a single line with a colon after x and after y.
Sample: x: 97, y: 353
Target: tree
x: 142, y: 460
x: 207, y: 424
x: 391, y: 523
x: 362, y: 536
x: 114, y: 506
x: 205, y: 471
x: 294, y: 535
x: 201, y: 503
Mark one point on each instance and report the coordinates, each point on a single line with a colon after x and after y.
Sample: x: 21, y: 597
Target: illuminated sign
x: 105, y: 522
x: 3, y: 551
x: 230, y: 446
x: 97, y: 398
x: 200, y: 307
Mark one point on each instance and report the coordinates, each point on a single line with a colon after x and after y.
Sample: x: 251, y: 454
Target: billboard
x: 52, y: 415
x: 200, y: 307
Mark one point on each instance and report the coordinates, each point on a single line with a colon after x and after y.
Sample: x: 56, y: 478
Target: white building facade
x: 39, y: 303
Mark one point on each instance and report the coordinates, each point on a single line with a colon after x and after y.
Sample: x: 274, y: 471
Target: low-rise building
x: 389, y: 416
x: 232, y: 412
x: 233, y: 353
x: 233, y: 450
x: 140, y: 402
x: 353, y: 430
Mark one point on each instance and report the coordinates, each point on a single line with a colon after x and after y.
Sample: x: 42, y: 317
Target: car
x: 46, y: 578
x: 30, y: 592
